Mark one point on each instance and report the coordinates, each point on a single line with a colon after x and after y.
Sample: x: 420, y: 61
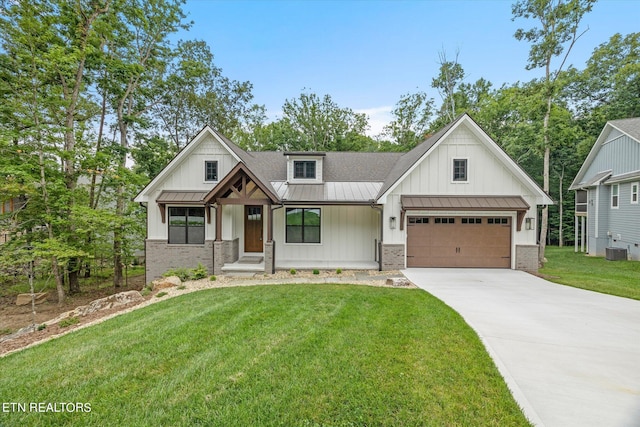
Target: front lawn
x: 290, y: 355
x: 621, y: 278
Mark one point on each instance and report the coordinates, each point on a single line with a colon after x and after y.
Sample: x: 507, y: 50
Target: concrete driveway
x: 570, y: 357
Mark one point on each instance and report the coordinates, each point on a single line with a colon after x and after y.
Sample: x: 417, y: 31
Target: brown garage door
x: 459, y: 242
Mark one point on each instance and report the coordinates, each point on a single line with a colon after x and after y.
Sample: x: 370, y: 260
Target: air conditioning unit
x: 616, y: 254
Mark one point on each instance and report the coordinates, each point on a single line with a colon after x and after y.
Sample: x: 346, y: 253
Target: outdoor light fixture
x: 392, y: 222
x: 528, y: 223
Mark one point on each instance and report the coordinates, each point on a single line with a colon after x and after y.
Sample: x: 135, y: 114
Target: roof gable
x: 411, y: 160
x: 629, y: 127
x: 235, y: 151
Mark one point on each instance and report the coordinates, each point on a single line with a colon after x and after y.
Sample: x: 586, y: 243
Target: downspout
x: 379, y: 248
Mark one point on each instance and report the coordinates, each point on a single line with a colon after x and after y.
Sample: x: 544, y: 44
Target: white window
x: 210, y: 170
x: 634, y: 192
x: 614, y: 195
x: 460, y: 172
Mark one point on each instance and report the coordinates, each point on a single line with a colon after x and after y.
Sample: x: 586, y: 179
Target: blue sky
x: 366, y: 54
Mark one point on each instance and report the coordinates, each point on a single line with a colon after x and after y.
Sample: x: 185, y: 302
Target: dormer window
x: 304, y: 169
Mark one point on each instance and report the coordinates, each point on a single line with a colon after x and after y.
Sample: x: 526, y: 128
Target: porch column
x: 218, y: 223
x: 575, y: 232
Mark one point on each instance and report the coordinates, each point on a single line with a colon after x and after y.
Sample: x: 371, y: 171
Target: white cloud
x: 379, y: 117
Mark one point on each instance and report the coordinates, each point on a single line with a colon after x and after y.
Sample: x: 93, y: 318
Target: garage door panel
x: 459, y: 242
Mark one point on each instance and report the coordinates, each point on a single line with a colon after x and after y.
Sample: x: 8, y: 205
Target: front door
x: 253, y: 229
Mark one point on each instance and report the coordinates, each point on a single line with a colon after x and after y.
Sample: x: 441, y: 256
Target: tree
x: 411, y: 119
x: 138, y: 53
x: 449, y: 79
x: 321, y: 125
x: 558, y: 32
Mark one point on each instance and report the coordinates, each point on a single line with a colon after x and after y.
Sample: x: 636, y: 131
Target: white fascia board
x: 383, y: 198
x: 541, y: 197
x: 592, y: 154
x: 143, y: 196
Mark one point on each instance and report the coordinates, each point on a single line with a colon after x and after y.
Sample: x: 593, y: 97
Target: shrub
x: 316, y: 271
x: 144, y: 292
x: 212, y: 278
x: 161, y: 294
x: 5, y: 331
x: 292, y: 271
x: 183, y: 273
x: 41, y: 327
x: 199, y: 273
x: 68, y: 322
x: 339, y: 271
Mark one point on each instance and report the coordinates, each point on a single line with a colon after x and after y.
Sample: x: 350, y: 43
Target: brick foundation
x: 392, y: 257
x: 160, y: 257
x: 527, y: 258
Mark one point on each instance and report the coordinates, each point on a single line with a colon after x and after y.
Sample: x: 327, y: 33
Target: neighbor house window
x: 304, y: 169
x: 210, y: 170
x: 186, y: 226
x: 460, y: 170
x: 634, y: 193
x: 303, y: 225
x: 614, y: 195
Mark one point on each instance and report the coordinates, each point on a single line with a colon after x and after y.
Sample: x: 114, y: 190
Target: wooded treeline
x: 96, y: 97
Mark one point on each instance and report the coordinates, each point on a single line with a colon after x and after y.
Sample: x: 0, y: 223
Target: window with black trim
x: 418, y: 220
x: 471, y: 220
x: 498, y: 221
x: 304, y: 169
x: 459, y: 170
x: 615, y: 193
x: 211, y: 170
x: 303, y: 225
x: 186, y: 226
x: 634, y: 192
x: 441, y: 220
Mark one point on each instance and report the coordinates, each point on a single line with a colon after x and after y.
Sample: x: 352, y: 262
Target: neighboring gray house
x: 456, y: 200
x: 607, y: 191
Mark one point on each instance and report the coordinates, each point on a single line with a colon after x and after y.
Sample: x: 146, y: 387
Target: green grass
x: 288, y: 355
x: 621, y: 278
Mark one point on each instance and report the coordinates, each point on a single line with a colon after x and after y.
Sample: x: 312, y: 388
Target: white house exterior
x: 608, y: 191
x: 456, y: 200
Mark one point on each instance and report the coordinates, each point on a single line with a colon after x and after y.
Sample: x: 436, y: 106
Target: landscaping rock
x: 398, y: 282
x: 105, y: 303
x: 24, y: 299
x: 166, y: 282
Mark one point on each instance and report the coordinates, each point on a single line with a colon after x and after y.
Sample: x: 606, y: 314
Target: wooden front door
x: 253, y: 229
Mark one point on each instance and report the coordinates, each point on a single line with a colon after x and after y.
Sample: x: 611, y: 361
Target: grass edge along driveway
x: 292, y: 355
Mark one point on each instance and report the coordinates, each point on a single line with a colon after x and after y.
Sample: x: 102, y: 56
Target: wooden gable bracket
x: 163, y: 212
x: 521, y: 215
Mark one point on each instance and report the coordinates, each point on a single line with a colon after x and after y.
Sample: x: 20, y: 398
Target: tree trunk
x: 545, y: 181
x: 561, y: 208
x: 118, y: 231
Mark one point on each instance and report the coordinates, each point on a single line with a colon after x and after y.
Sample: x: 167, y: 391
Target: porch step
x: 250, y: 260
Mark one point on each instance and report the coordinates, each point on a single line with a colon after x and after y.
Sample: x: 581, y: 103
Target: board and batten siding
x: 189, y: 175
x: 624, y: 222
x: 487, y: 176
x: 620, y: 155
x: 348, y: 234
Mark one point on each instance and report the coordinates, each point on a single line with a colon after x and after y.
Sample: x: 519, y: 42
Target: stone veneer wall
x: 527, y: 258
x: 392, y: 257
x: 269, y: 254
x: 231, y: 250
x: 160, y: 257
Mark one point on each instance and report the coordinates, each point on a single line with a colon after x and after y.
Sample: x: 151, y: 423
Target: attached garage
x: 464, y: 240
x: 436, y: 241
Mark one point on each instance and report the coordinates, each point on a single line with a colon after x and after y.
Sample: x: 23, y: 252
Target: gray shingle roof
x: 629, y: 126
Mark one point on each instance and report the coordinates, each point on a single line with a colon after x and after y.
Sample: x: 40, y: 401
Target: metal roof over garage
x: 445, y: 203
